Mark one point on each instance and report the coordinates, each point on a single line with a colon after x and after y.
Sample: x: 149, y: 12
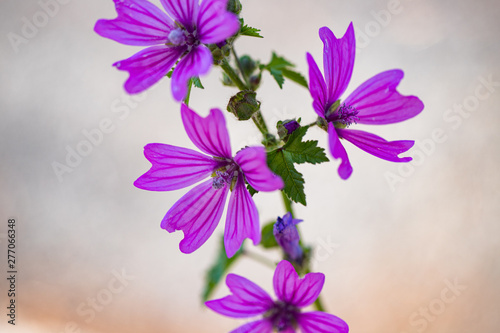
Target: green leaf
x: 295, y: 77
x: 281, y: 163
x: 304, y: 151
x: 251, y: 190
x: 197, y: 82
x: 268, y: 240
x: 278, y: 62
x: 246, y: 30
x: 278, y: 76
x: 217, y: 271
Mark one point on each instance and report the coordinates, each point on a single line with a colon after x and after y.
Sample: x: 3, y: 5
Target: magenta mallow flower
x: 283, y: 315
x: 180, y: 34
x: 198, y: 212
x: 375, y: 102
x: 287, y: 237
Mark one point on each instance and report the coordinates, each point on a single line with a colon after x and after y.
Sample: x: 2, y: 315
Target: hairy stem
x: 240, y: 67
x: 288, y: 203
x: 259, y: 258
x: 190, y: 85
x: 260, y: 123
x: 226, y: 67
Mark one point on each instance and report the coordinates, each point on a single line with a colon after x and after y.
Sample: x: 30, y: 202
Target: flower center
x: 283, y: 316
x: 227, y: 174
x: 342, y: 115
x: 180, y: 37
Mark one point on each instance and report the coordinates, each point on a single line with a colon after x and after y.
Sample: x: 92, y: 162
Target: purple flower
x: 287, y: 236
x: 182, y: 34
x: 284, y: 315
x: 375, y: 102
x: 198, y: 212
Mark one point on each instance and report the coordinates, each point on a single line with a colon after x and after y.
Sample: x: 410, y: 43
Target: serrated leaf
x: 246, y: 30
x: 197, y: 82
x: 278, y: 76
x: 295, y: 77
x: 268, y: 240
x: 304, y: 151
x: 278, y: 62
x: 281, y: 163
x: 217, y: 271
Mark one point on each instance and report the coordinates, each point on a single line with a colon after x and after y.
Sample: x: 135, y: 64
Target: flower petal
x: 197, y: 214
x: 253, y: 162
x: 215, y: 23
x: 377, y: 146
x: 174, y: 168
x: 247, y: 300
x: 338, y: 151
x: 292, y: 290
x: 338, y: 61
x: 182, y: 11
x: 148, y: 66
x: 242, y: 220
x: 321, y: 322
x: 209, y: 134
x: 197, y: 62
x: 378, y: 102
x: 258, y: 326
x: 317, y: 87
x: 138, y: 23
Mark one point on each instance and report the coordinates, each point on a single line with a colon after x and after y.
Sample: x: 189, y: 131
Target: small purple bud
x: 287, y: 236
x: 286, y: 128
x: 291, y: 126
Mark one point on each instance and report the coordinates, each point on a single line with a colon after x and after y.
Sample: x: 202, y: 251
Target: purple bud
x: 287, y: 236
x: 291, y: 126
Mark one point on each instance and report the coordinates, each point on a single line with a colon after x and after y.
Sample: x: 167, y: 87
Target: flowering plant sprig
x: 183, y: 42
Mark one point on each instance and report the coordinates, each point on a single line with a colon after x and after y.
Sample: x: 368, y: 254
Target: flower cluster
x: 183, y: 42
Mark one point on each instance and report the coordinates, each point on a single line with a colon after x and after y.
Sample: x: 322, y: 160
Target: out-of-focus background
x: 405, y: 248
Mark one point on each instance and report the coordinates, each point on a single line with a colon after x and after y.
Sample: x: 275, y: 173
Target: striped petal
x: 138, y: 23
x: 292, y: 290
x: 197, y: 62
x: 317, y: 87
x: 197, y: 214
x: 209, y: 134
x: 378, y: 102
x: 258, y: 326
x: 182, y: 11
x: 321, y: 322
x: 377, y: 146
x: 242, y: 220
x: 253, y: 162
x: 174, y: 168
x: 148, y: 66
x: 338, y: 151
x: 215, y: 23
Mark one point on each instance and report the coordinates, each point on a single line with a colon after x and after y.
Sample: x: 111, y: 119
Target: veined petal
x: 377, y: 146
x: 197, y: 214
x: 253, y: 162
x: 378, y: 102
x: 215, y: 23
x: 247, y: 300
x: 197, y: 62
x: 138, y: 23
x: 338, y: 151
x: 148, y: 66
x: 242, y: 220
x: 292, y: 290
x: 338, y: 61
x: 182, y: 11
x: 174, y: 168
x: 258, y: 326
x: 317, y: 87
x: 321, y: 322
x: 209, y: 134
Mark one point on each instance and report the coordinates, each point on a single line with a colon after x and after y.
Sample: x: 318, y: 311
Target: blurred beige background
x: 405, y: 248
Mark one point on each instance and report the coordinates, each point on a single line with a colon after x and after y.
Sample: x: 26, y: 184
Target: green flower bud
x: 243, y: 105
x: 234, y: 6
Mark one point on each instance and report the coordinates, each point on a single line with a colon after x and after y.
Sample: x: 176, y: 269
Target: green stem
x: 287, y: 202
x: 226, y: 67
x: 259, y: 258
x: 240, y: 67
x: 190, y: 85
x: 260, y: 123
x: 318, y: 304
